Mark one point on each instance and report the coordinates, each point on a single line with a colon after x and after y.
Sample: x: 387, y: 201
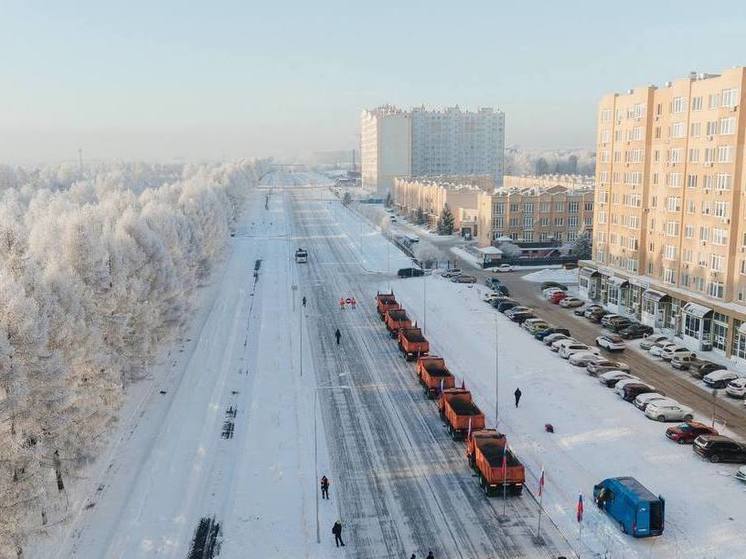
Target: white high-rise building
x: 385, y: 147
x: 451, y: 142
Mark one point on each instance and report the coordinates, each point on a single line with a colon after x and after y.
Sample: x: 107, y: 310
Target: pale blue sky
x: 162, y: 79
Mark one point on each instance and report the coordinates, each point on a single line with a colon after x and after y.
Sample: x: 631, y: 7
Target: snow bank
x: 97, y: 272
x: 553, y: 274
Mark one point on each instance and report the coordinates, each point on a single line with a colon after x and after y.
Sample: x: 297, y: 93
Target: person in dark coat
x: 413, y: 556
x: 304, y: 300
x: 337, y: 531
x: 430, y: 556
x: 324, y: 487
x: 517, y: 395
x: 337, y: 335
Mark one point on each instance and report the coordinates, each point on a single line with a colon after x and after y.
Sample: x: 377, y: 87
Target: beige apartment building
x: 528, y: 214
x: 669, y: 229
x: 385, y: 147
x: 568, y: 181
x: 538, y: 214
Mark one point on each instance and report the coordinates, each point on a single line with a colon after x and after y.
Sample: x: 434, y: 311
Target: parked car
x: 410, y: 273
x: 521, y: 317
x: 636, y: 509
x: 642, y: 401
x: 633, y: 390
x: 587, y: 309
x: 551, y: 338
x: 719, y: 379
x: 583, y: 358
x: 505, y: 306
x: 736, y: 388
x: 548, y: 293
x: 492, y: 283
x: 557, y: 296
x: 547, y: 284
x: 504, y: 268
x: 619, y: 325
x: 607, y: 318
x: 596, y: 315
x: 534, y: 325
x: 463, y: 278
x: 549, y: 331
x: 621, y: 383
x: 717, y: 448
x: 649, y: 341
x: 571, y: 303
x: 568, y: 349
x: 601, y: 366
x: 556, y: 346
x: 453, y: 272
x: 610, y: 378
x: 610, y: 342
x: 703, y: 367
x: 683, y: 362
x: 503, y: 290
x: 515, y: 309
x: 657, y: 349
x: 685, y: 433
x: 490, y: 297
x: 668, y: 411
x: 670, y: 351
x: 741, y: 473
x: 635, y: 330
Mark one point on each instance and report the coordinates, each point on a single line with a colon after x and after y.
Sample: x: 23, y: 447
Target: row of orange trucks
x: 499, y: 470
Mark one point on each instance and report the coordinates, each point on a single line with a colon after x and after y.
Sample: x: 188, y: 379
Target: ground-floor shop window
x: 719, y: 331
x: 691, y: 326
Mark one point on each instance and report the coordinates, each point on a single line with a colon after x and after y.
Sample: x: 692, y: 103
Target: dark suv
x: 634, y: 389
x: 717, y: 448
x: 700, y: 368
x: 635, y: 330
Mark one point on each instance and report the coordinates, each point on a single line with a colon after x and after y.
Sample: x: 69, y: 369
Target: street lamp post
x: 424, y: 303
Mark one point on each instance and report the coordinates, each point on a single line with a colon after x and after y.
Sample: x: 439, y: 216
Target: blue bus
x: 632, y: 505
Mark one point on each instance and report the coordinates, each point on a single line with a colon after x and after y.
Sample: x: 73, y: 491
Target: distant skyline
x: 163, y: 80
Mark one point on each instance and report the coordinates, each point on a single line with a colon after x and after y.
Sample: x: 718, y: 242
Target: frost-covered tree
x: 446, y: 221
x: 583, y: 247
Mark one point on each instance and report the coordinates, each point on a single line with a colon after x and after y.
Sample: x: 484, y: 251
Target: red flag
x: 541, y: 482
x: 580, y: 509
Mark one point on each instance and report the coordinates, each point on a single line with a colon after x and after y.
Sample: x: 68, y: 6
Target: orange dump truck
x: 385, y: 302
x: 433, y: 375
x: 412, y: 343
x: 485, y: 450
x: 396, y: 319
x: 460, y: 413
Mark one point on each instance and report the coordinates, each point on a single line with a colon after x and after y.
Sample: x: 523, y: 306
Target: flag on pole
x: 468, y: 433
x: 463, y: 384
x: 580, y: 509
x: 505, y: 461
x: 441, y: 386
x: 541, y: 482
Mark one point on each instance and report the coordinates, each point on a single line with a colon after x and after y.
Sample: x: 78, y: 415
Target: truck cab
x: 635, y: 508
x: 301, y: 255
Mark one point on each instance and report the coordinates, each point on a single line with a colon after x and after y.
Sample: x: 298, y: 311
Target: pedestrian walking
x: 413, y: 556
x: 304, y: 300
x: 338, y: 335
x: 324, y: 487
x: 342, y: 303
x: 517, y: 395
x: 353, y: 302
x: 337, y: 531
x: 430, y: 556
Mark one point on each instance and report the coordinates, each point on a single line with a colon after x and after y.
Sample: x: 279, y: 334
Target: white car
x: 657, y: 349
x: 736, y: 388
x: 669, y: 352
x: 568, y: 349
x: 668, y: 411
x: 642, y: 401
x: 491, y: 296
x: 571, y: 302
x: 612, y: 377
x: 582, y: 358
x: 649, y: 341
x: 611, y: 342
x: 551, y: 338
x: 619, y: 386
x: 719, y: 379
x: 504, y: 268
x: 556, y: 346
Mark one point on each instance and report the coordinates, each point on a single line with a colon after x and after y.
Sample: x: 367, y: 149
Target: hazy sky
x: 164, y: 79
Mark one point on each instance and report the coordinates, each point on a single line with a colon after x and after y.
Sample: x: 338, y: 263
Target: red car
x: 685, y: 433
x: 557, y: 296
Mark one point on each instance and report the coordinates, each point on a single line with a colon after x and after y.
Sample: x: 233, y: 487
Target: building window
x: 669, y: 276
x: 678, y: 130
x: 678, y: 105
x: 716, y: 262
x: 729, y: 98
x: 713, y: 101
x: 691, y: 326
x: 693, y: 155
x: 559, y: 207
x: 691, y: 181
x: 728, y: 125
x: 724, y: 181
x: 725, y: 154
x: 696, y: 103
x: 695, y: 129
x: 715, y: 289
x: 559, y: 221
x: 689, y: 231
